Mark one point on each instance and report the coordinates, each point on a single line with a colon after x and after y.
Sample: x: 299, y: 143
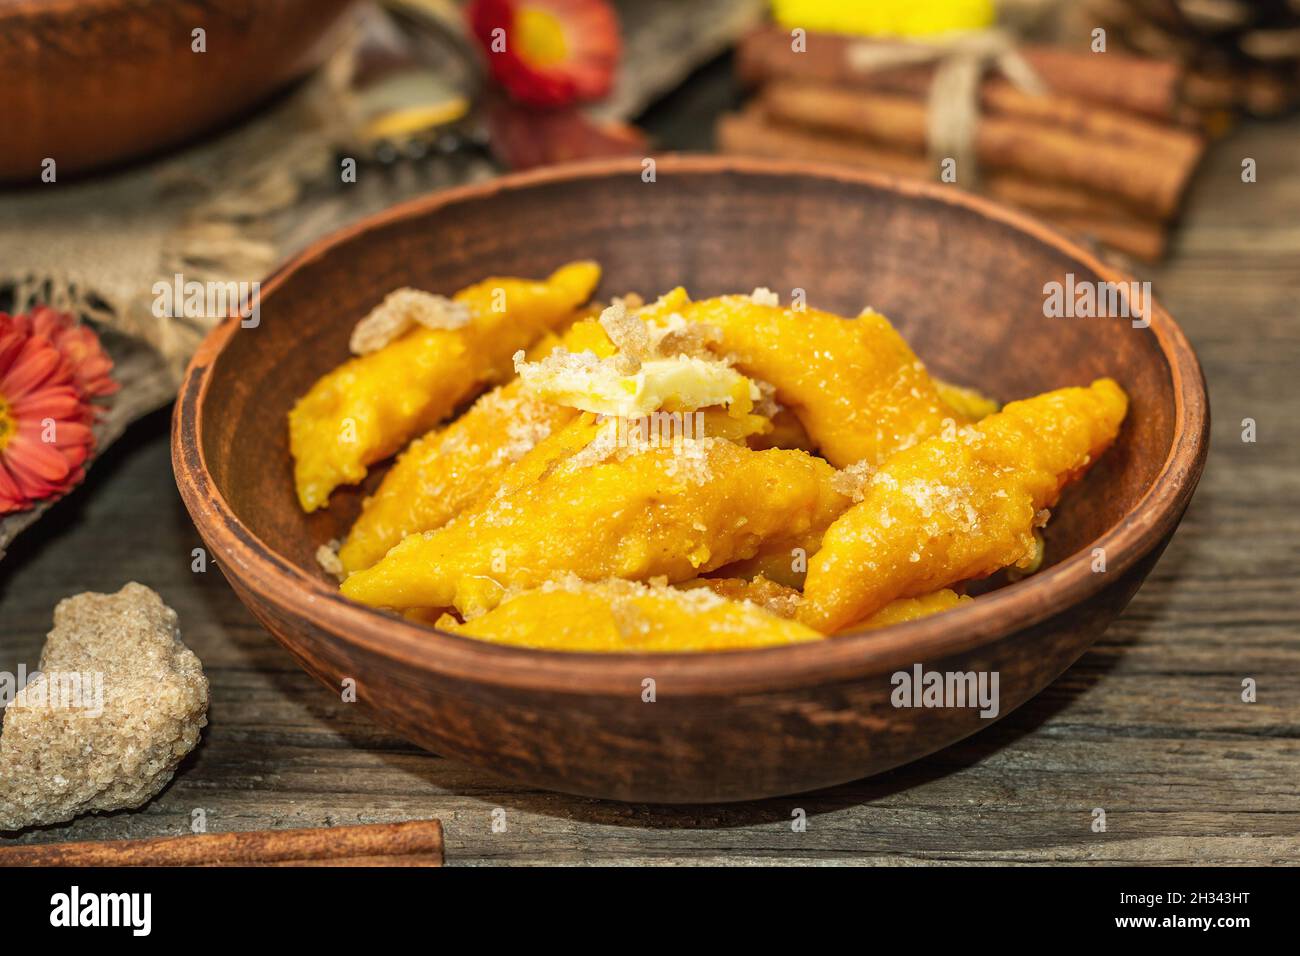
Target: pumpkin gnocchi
x: 675, y: 475
x: 373, y: 404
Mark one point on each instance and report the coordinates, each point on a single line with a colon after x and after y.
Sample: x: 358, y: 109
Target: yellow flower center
x: 7, y: 423
x: 539, y: 37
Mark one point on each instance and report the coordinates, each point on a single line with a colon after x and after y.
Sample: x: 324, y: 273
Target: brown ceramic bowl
x: 961, y: 277
x: 94, y: 82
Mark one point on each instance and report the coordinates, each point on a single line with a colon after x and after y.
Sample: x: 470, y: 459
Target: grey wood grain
x: 1149, y: 725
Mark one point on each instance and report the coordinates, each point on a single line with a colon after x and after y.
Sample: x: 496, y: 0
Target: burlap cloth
x: 230, y: 209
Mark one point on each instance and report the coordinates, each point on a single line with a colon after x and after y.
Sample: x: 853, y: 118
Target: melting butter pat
x: 678, y: 383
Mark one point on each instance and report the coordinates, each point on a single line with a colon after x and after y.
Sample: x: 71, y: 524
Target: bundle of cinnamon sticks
x: 1107, y: 150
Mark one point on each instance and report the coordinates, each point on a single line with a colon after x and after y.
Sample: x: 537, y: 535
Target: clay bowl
x: 95, y: 82
x: 962, y: 278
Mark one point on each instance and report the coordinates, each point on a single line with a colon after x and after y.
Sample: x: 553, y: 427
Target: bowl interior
x: 964, y: 288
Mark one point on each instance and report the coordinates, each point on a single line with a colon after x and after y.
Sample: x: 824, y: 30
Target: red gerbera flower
x: 44, y: 433
x: 79, y: 346
x: 549, y: 52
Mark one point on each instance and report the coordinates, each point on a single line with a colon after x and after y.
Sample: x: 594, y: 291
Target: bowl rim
x: 845, y: 656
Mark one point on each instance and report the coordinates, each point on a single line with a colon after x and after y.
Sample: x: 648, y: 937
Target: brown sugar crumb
x: 777, y: 598
x: 530, y: 423
x: 676, y: 336
x: 401, y: 310
x: 621, y: 595
x: 767, y: 405
x: 690, y: 462
x: 629, y: 335
x: 852, y: 480
x: 118, y: 704
x: 327, y: 556
x: 599, y: 450
x: 685, y: 459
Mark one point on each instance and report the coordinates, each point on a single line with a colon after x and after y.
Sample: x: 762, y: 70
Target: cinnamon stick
x: 1053, y: 197
x: 1141, y: 240
x: 1152, y: 184
x: 751, y: 133
x: 1147, y: 87
x: 1142, y: 85
x: 1089, y: 121
x: 413, y: 843
x: 1085, y: 119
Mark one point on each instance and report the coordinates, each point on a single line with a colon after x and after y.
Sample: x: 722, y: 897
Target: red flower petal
x: 36, y: 462
x: 11, y: 343
x: 80, y: 346
x: 61, y: 433
x: 37, y: 363
x: 11, y: 497
x: 50, y: 322
x: 73, y: 434
x: 58, y: 403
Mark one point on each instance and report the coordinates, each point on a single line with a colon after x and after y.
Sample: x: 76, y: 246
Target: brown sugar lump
x: 118, y: 703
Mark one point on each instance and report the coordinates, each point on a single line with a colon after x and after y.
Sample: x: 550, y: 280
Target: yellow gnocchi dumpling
x: 858, y: 389
x: 445, y: 471
x: 961, y: 507
x: 576, y: 615
x: 665, y: 511
x: 371, y: 405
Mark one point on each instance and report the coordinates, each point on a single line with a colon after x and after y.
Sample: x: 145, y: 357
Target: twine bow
x: 953, y: 102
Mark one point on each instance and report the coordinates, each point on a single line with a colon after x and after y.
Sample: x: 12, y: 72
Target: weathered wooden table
x: 1149, y: 726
